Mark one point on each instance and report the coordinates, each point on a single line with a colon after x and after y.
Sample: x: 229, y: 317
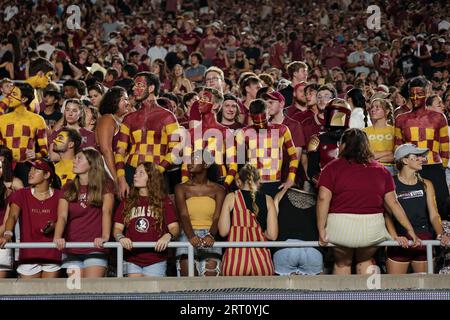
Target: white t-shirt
x: 157, y: 53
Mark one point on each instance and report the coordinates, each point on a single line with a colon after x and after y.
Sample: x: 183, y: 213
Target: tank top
x: 201, y: 211
x: 413, y: 199
x: 260, y: 200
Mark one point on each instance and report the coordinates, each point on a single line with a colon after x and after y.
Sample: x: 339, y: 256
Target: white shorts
x: 356, y: 230
x: 32, y: 269
x: 5, y: 259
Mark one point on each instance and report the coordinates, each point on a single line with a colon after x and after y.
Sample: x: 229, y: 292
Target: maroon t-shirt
x: 299, y: 115
x: 34, y: 216
x: 84, y: 221
x: 143, y: 227
x: 311, y: 126
x: 357, y: 188
x: 87, y: 138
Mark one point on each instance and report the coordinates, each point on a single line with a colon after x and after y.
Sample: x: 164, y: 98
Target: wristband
x: 119, y: 236
x: 8, y: 233
x: 171, y: 235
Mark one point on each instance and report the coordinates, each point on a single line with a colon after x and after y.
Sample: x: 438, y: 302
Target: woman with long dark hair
x: 147, y: 215
x: 353, y: 191
x: 359, y: 118
x: 113, y: 107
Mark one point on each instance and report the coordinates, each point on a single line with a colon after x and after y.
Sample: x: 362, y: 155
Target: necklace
x: 404, y: 181
x: 35, y: 193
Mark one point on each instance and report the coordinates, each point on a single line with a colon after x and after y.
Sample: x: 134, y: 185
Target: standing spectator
x: 229, y: 112
x: 36, y: 207
x: 353, y: 190
x: 360, y: 60
x: 416, y: 196
x: 147, y: 215
x: 359, y: 118
x: 113, y: 107
x: 180, y: 84
x: 383, y: 62
x: 22, y: 130
x: 209, y: 45
x: 199, y: 202
x: 333, y: 54
x: 277, y: 52
x: 8, y: 185
x: 381, y: 133
x: 196, y: 71
x: 294, y: 48
x: 156, y: 126
x: 408, y: 65
x: 157, y: 51
x: 159, y: 67
x: 256, y: 140
x: 85, y: 214
x: 298, y: 73
x: 189, y: 37
x: 96, y: 93
x: 66, y: 145
x: 51, y: 111
x: 248, y: 215
x: 426, y: 129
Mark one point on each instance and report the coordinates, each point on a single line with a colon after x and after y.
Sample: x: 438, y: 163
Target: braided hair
x: 249, y: 174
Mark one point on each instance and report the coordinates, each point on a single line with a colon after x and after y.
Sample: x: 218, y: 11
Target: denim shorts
x: 32, y: 269
x: 5, y: 259
x: 304, y: 261
x: 97, y: 259
x: 199, y: 253
x: 154, y: 270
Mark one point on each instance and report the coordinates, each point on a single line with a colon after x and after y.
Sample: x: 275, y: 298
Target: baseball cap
x: 406, y: 149
x: 43, y: 165
x: 301, y: 84
x: 274, y: 95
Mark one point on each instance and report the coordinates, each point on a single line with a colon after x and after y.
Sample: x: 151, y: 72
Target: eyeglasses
x: 213, y: 79
x: 324, y: 98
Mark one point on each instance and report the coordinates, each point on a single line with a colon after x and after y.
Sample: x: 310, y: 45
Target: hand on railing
x: 416, y: 240
x: 196, y: 242
x: 60, y: 243
x: 445, y: 240
x: 402, y: 241
x: 163, y: 242
x: 208, y: 240
x: 323, y: 238
x: 126, y: 243
x: 4, y: 240
x: 98, y: 242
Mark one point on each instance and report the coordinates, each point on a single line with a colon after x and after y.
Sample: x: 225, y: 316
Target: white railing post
x: 190, y: 260
x: 430, y: 258
x: 119, y: 261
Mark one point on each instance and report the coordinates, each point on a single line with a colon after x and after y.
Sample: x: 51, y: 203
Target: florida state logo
x: 142, y: 225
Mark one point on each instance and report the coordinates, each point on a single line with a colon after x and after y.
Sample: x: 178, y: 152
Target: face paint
x: 15, y: 98
x: 40, y: 81
x: 140, y: 88
x: 205, y: 103
x: 417, y: 96
x: 259, y: 120
x: 61, y: 138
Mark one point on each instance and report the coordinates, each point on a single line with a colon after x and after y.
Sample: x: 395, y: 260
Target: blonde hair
x: 387, y: 106
x: 249, y: 174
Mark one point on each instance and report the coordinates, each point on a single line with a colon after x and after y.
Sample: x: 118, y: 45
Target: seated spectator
x: 248, y: 215
x: 147, y: 215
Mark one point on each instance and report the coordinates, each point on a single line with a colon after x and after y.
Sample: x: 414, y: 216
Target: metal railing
x: 219, y: 244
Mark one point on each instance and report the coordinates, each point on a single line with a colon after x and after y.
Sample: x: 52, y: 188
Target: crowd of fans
x: 325, y: 128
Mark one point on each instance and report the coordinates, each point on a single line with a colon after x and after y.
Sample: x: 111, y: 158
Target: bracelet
x: 171, y: 235
x: 439, y: 237
x: 8, y: 233
x: 119, y: 236
x: 209, y: 234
